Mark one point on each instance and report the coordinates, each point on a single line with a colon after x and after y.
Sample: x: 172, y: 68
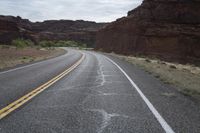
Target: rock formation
x: 16, y: 27
x: 168, y: 29
x: 8, y: 30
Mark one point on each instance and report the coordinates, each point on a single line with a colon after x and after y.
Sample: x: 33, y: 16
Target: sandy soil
x: 185, y: 77
x: 10, y: 56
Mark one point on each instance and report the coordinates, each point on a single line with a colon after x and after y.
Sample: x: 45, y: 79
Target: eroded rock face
x: 16, y: 27
x: 168, y: 29
x: 8, y: 30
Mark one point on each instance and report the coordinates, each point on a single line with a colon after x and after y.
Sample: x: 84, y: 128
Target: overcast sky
x: 93, y: 10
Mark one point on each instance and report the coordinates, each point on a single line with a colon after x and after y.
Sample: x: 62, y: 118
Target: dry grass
x: 186, y: 77
x: 11, y: 56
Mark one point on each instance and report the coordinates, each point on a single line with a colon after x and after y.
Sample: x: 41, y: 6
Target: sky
x: 91, y: 10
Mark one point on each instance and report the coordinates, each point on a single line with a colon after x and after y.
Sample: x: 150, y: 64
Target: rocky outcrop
x: 83, y: 31
x: 168, y: 29
x: 16, y: 27
x: 8, y: 30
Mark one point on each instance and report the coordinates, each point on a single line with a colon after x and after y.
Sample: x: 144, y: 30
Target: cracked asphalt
x: 95, y: 98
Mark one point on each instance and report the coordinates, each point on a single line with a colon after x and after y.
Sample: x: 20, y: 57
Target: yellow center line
x: 24, y: 99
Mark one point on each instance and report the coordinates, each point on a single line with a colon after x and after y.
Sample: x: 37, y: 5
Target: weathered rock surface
x: 16, y: 27
x: 168, y: 29
x: 8, y: 30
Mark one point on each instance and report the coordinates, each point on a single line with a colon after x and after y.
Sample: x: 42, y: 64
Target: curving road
x: 102, y: 95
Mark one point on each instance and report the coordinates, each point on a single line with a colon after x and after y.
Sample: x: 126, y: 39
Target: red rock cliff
x: 8, y: 30
x: 168, y: 29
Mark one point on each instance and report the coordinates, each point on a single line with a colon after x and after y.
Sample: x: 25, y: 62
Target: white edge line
x: 160, y: 119
x: 19, y: 68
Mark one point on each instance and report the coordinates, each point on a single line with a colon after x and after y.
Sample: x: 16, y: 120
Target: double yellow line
x: 18, y: 103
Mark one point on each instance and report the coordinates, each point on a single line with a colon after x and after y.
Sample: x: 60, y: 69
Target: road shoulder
x: 182, y: 112
x: 24, y: 57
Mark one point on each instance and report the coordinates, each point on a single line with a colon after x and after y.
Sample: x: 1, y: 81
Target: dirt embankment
x: 11, y: 56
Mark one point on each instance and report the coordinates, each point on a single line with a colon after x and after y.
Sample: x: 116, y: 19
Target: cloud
x: 93, y: 10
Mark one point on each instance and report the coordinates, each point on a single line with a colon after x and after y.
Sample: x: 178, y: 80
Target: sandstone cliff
x: 168, y: 29
x: 8, y: 30
x: 16, y: 27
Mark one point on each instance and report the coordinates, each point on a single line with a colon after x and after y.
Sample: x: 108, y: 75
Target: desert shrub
x: 22, y: 43
x: 47, y: 44
x: 172, y: 66
x: 67, y: 44
x: 147, y: 60
x: 83, y: 45
x: 62, y: 43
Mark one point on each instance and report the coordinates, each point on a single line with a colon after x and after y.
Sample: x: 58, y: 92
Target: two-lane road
x: 102, y: 95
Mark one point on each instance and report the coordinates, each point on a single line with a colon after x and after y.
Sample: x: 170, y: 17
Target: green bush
x: 46, y: 44
x: 67, y: 44
x: 61, y: 44
x: 22, y: 43
x: 83, y: 45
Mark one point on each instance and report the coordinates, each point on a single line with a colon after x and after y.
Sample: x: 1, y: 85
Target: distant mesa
x: 16, y: 27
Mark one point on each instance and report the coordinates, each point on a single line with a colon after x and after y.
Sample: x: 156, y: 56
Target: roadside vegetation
x: 22, y: 51
x: 62, y: 44
x: 23, y: 43
x: 185, y: 77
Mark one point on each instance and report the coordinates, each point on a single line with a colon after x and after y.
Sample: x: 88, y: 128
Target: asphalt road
x: 102, y: 95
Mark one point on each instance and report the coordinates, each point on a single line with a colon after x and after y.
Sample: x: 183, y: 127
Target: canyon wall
x: 167, y: 29
x: 8, y: 30
x: 16, y: 27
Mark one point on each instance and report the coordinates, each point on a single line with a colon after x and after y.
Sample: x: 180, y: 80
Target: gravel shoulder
x: 11, y: 56
x: 185, y: 77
